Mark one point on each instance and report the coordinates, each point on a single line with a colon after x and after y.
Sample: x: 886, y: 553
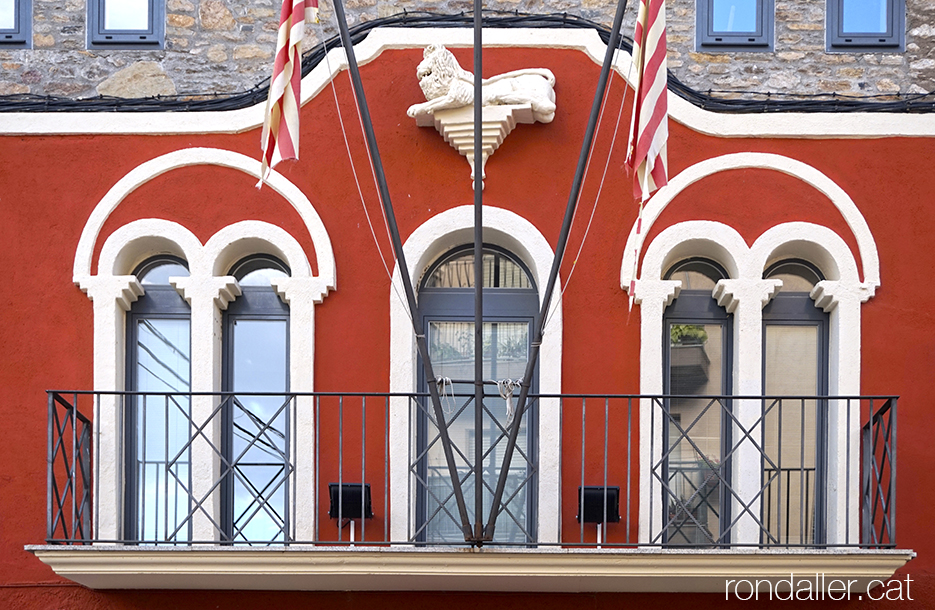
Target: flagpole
x: 556, y: 264
x: 478, y: 274
x: 417, y: 326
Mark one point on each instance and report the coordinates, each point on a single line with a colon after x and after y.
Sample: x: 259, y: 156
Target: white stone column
x: 207, y: 296
x: 302, y: 294
x: 111, y: 297
x: 653, y: 296
x: 842, y: 302
x: 745, y: 298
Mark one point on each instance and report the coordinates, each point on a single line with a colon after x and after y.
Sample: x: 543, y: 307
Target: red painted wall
x: 50, y: 185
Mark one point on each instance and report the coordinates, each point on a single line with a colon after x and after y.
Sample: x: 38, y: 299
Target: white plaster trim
x: 774, y: 125
x: 745, y: 294
x: 437, y: 235
x: 490, y: 569
x: 208, y: 290
x: 839, y: 198
x: 205, y: 156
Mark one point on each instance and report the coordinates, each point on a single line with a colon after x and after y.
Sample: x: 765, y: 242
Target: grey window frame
x: 798, y: 309
x: 708, y: 39
x: 162, y: 302
x: 153, y: 38
x: 254, y: 303
x: 20, y: 36
x: 700, y: 307
x: 500, y: 305
x: 893, y: 41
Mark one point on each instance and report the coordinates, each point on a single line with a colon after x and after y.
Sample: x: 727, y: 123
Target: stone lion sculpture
x: 447, y: 85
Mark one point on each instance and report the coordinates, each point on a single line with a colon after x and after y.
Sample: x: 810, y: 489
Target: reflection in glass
x: 500, y: 271
x: 790, y: 441
x: 126, y: 15
x: 506, y: 348
x: 7, y: 14
x: 864, y: 16
x: 694, y: 434
x: 734, y: 15
x: 259, y: 450
x: 163, y: 364
x: 159, y: 272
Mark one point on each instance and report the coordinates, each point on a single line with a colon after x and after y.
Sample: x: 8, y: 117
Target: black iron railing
x: 315, y: 468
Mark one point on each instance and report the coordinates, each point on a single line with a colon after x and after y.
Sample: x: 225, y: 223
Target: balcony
x: 307, y: 491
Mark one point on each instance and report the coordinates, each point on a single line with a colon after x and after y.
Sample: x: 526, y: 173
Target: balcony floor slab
x: 398, y: 568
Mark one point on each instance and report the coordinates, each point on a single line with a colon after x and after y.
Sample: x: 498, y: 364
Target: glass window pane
x: 796, y: 276
x: 506, y: 348
x: 734, y: 15
x: 159, y: 274
x: 500, y: 271
x: 163, y: 364
x: 790, y: 438
x: 864, y: 16
x: 260, y: 364
x: 694, y: 434
x: 261, y: 277
x: 126, y: 15
x: 7, y: 14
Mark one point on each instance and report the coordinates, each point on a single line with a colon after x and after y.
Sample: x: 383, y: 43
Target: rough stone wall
x: 799, y: 64
x: 224, y: 46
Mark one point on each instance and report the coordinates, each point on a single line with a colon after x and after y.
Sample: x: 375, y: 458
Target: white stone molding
x: 426, y: 244
x: 456, y: 125
x: 744, y: 295
x: 774, y: 125
x: 208, y: 291
x: 866, y: 245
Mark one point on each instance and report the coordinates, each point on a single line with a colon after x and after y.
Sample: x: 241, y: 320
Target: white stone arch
x: 234, y: 242
x: 429, y: 241
x: 866, y: 245
x: 153, y: 168
x: 744, y: 294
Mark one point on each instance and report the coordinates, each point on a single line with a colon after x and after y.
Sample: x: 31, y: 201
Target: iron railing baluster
x: 689, y: 491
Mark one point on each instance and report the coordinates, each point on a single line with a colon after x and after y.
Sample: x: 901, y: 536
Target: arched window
x: 795, y: 364
x: 697, y: 368
x: 446, y: 301
x: 256, y: 441
x: 158, y: 426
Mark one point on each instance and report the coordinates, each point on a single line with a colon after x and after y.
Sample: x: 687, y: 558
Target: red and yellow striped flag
x: 649, y: 128
x: 280, y: 138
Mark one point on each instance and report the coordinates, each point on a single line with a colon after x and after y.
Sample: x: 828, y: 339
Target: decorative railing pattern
x: 314, y: 468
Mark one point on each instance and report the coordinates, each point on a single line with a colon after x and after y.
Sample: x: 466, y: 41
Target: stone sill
x: 313, y: 568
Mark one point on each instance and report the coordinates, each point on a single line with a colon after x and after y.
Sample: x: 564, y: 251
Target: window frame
x: 457, y: 305
x: 159, y: 302
x: 793, y: 308
x: 101, y: 38
x: 709, y: 39
x: 20, y: 36
x: 698, y: 306
x: 255, y: 303
x: 893, y: 41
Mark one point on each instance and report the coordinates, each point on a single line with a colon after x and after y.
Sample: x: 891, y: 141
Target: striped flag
x: 280, y: 138
x: 646, y: 149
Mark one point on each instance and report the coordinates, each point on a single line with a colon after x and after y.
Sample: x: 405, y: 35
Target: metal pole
x: 478, y: 275
x: 403, y: 268
x: 556, y: 264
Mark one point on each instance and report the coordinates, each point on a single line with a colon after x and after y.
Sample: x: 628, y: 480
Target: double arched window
x: 255, y: 467
x: 708, y: 435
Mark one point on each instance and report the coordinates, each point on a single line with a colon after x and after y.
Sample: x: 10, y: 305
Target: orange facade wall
x: 49, y: 185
